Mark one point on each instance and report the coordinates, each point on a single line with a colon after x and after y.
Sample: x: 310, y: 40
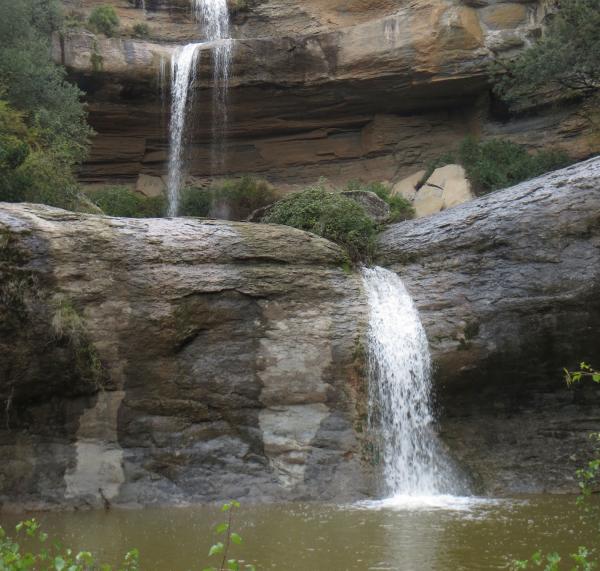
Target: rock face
x: 345, y: 90
x: 508, y: 287
x: 175, y: 360
x: 447, y: 186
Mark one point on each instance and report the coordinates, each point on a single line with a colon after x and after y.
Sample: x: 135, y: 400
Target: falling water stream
x: 400, y: 407
x: 183, y: 71
x: 213, y: 16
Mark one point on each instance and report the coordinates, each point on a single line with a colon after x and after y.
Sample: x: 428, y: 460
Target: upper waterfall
x: 213, y: 16
x: 400, y: 407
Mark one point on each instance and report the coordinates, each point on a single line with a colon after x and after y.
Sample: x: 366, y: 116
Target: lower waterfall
x: 400, y: 403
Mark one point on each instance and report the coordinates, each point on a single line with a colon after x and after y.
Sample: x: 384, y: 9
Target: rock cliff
x: 508, y: 287
x: 345, y: 90
x: 175, y: 360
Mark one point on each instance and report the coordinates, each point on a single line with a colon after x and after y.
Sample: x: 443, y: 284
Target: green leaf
x: 59, y: 563
x: 233, y: 565
x: 220, y: 528
x: 236, y: 538
x: 216, y: 548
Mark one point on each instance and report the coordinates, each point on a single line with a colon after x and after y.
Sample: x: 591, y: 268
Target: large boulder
x: 508, y: 287
x: 154, y: 361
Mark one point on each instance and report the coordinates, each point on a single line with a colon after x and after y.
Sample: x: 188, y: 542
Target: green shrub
x: 231, y: 200
x: 328, y: 214
x: 400, y: 208
x: 195, y: 202
x: 104, y: 20
x: 497, y: 163
x: 141, y: 30
x: 121, y: 201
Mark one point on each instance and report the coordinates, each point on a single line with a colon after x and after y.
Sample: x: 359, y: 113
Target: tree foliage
x: 43, y: 126
x: 400, y: 208
x: 563, y: 63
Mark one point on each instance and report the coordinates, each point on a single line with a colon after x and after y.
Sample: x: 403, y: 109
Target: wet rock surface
x: 185, y: 360
x: 508, y: 287
x: 166, y: 361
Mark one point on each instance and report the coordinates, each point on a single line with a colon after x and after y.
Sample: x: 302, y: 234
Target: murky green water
x: 311, y: 537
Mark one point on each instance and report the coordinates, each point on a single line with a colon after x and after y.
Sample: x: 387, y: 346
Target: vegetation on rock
x: 230, y: 200
x: 565, y: 62
x: 43, y: 129
x: 499, y: 163
x: 400, y: 208
x: 121, y: 201
x: 330, y: 215
x: 104, y: 20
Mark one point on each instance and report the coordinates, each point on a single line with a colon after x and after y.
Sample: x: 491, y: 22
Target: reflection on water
x: 451, y: 534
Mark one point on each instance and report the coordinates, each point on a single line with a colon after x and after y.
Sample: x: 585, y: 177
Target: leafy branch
x: 221, y: 548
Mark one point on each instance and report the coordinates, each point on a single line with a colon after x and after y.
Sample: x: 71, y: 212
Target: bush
x: 141, y: 30
x: 232, y: 200
x: 498, y: 163
x: 565, y: 62
x: 330, y: 215
x: 104, y: 20
x: 195, y: 202
x: 400, y: 208
x: 121, y: 201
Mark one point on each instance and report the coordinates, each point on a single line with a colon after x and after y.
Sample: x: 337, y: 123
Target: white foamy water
x: 213, y: 16
x: 183, y: 72
x: 416, y: 471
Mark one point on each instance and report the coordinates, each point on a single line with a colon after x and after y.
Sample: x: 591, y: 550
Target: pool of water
x: 436, y: 533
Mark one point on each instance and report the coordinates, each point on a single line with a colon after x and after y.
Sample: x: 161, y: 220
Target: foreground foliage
x: 588, y: 478
x: 221, y: 548
x: 330, y: 215
x: 565, y: 62
x: 43, y: 129
x: 499, y: 163
x: 51, y: 556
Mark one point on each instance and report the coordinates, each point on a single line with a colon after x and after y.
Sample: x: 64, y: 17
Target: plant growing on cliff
x: 330, y: 215
x: 565, y: 62
x: 104, y: 20
x: 51, y: 556
x: 121, y: 201
x: 400, y: 208
x: 499, y: 163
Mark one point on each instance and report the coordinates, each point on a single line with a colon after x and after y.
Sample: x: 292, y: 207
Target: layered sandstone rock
x: 344, y: 90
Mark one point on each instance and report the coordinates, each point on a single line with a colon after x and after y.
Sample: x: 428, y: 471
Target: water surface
x: 391, y: 535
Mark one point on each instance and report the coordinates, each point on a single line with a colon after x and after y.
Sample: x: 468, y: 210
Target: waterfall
x: 183, y: 73
x: 400, y: 407
x: 214, y: 17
